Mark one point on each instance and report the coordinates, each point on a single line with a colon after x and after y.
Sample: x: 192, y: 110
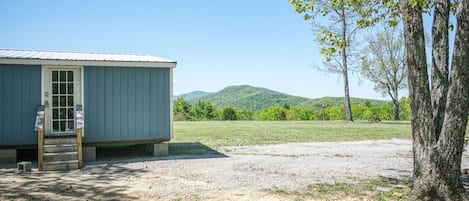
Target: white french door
x: 62, y: 92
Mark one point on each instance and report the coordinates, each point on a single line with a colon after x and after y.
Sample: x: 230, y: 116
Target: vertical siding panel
x: 124, y: 104
x: 16, y: 100
x: 94, y: 102
x: 90, y: 106
x: 154, y: 102
x: 139, y: 106
x: 88, y: 115
x: 131, y: 104
x: 24, y: 110
x: 146, y: 103
x: 166, y: 102
x: 15, y: 110
x: 158, y: 102
x: 108, y: 112
x: 100, y: 101
x: 34, y: 99
x: 8, y: 109
x: 2, y: 103
x: 116, y: 102
x: 134, y: 103
x: 164, y: 75
x: 127, y: 103
x: 30, y: 112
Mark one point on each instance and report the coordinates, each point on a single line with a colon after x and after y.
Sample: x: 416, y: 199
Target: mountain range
x: 256, y: 98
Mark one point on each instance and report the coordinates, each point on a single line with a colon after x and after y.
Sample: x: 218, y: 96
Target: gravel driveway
x: 239, y: 173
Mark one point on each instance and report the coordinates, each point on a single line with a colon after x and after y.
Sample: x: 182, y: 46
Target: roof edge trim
x: 56, y: 62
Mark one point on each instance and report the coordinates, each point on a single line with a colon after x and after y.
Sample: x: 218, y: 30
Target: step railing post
x: 79, y: 148
x: 80, y: 125
x: 39, y: 127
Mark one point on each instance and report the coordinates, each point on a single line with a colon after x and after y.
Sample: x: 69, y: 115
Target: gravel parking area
x: 237, y: 173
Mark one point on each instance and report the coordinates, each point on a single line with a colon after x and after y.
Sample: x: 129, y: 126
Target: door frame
x: 46, y: 81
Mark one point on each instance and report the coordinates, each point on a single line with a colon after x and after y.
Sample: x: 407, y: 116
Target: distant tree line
x: 203, y: 111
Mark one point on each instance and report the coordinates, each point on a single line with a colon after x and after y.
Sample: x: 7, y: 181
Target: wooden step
x: 68, y: 140
x: 60, y: 153
x: 60, y: 156
x: 53, y: 148
x: 61, y: 165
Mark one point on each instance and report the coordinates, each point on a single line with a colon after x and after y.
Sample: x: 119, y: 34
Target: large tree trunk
x: 395, y: 100
x: 348, y: 107
x: 396, y: 110
x: 437, y: 155
x: 440, y: 62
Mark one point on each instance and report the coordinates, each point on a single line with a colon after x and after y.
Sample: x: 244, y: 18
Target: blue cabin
x: 123, y: 98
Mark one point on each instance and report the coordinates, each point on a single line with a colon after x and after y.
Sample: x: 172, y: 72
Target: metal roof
x: 9, y: 54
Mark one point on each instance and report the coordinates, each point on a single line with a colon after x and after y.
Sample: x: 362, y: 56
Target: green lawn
x: 234, y: 133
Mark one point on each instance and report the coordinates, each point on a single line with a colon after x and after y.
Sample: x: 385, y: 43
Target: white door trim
x: 46, y: 90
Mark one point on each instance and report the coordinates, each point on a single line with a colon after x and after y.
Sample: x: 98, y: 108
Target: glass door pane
x: 63, y: 109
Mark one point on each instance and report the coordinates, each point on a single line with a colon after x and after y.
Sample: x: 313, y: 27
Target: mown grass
x: 236, y: 133
x: 206, y: 137
x: 368, y: 189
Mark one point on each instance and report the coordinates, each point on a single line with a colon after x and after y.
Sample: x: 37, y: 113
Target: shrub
x: 229, y: 113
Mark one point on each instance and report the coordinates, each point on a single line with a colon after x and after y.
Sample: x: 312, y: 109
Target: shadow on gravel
x: 95, y: 180
x: 139, y: 152
x: 92, y: 183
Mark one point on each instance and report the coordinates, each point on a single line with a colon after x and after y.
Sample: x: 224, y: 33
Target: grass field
x: 361, y: 190
x: 206, y: 137
x: 235, y: 133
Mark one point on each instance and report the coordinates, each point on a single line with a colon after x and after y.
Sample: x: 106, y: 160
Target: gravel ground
x: 239, y: 173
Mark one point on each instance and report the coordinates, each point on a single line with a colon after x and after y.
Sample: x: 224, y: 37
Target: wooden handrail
x: 39, y: 127
x: 79, y: 130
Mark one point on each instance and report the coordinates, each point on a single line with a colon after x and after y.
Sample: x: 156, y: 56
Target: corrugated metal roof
x: 79, y: 56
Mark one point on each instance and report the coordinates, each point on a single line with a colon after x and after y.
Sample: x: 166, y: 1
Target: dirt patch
x: 241, y: 173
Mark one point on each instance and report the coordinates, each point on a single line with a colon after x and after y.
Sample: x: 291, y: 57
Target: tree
x: 181, y: 109
x: 229, y: 113
x: 385, y: 65
x: 335, y: 36
x: 202, y: 111
x: 439, y: 115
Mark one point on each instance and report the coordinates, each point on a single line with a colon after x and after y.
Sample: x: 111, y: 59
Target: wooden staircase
x: 63, y: 152
x: 60, y: 153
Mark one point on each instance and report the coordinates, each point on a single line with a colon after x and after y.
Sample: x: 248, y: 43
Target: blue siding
x: 126, y: 104
x: 20, y: 96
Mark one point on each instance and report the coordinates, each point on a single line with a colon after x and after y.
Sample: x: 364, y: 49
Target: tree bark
x: 440, y: 62
x: 348, y: 107
x: 437, y: 155
x: 396, y: 91
x: 396, y: 107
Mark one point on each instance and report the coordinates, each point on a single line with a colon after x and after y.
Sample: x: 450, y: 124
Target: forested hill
x: 255, y: 98
x: 193, y: 95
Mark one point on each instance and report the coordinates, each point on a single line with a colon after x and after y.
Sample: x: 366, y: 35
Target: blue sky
x: 216, y: 43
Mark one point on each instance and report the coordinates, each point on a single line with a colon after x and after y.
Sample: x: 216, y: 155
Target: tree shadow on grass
x: 177, y: 150
x: 89, y: 183
x: 396, y: 122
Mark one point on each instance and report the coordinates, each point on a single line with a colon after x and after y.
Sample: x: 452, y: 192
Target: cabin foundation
x: 160, y: 149
x: 7, y: 156
x: 89, y: 154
